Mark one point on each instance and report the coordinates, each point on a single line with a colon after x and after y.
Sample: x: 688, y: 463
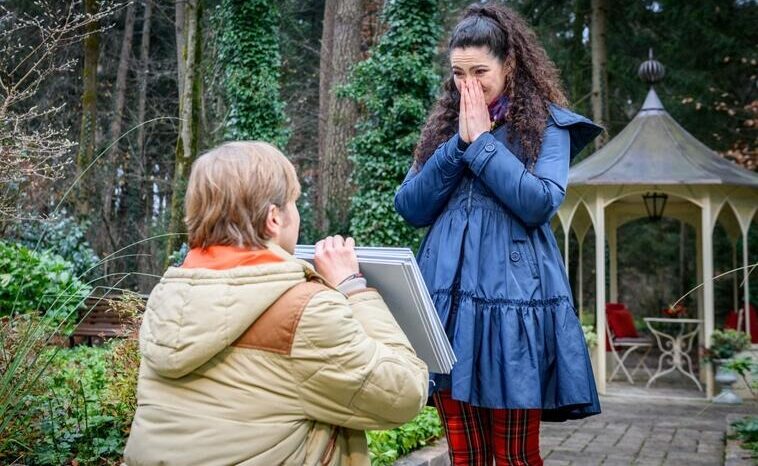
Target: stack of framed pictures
x: 395, y: 274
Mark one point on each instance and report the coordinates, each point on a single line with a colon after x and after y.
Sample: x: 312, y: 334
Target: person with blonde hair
x: 249, y: 355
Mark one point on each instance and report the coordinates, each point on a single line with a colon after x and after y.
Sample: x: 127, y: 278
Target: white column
x: 580, y: 278
x: 600, y: 290
x: 613, y: 259
x: 566, y: 236
x: 699, y: 295
x: 706, y: 225
x: 735, y: 278
x: 746, y: 280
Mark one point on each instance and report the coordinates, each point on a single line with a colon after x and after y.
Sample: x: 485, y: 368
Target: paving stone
x: 577, y: 458
x: 615, y: 459
x: 680, y: 458
x: 647, y: 462
x: 652, y: 453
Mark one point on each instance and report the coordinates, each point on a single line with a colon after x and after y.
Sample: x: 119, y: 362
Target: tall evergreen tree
x: 396, y: 86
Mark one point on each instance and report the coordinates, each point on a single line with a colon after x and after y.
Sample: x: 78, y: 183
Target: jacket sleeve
x: 532, y: 196
x: 353, y: 365
x: 425, y: 192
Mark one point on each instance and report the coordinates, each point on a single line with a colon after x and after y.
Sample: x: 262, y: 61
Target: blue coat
x: 495, y: 273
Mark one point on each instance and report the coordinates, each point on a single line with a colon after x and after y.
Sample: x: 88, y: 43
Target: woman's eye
x: 479, y: 72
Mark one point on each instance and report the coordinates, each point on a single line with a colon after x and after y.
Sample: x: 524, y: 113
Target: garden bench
x: 99, y: 319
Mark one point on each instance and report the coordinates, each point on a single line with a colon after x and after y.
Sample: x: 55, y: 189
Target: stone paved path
x: 635, y: 431
x: 630, y: 431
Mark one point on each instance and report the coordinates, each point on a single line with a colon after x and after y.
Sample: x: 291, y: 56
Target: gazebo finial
x: 651, y: 71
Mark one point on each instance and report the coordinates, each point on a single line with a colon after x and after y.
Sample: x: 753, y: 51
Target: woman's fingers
x: 478, y: 114
x: 470, y: 107
x: 462, y: 115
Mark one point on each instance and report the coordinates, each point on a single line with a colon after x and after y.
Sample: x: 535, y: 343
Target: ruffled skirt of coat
x: 518, y: 354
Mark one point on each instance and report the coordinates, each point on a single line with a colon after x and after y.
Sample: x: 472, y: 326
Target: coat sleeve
x: 353, y: 365
x: 425, y: 192
x: 533, y: 197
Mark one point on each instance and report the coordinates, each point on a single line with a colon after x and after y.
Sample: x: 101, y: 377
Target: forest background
x: 105, y: 105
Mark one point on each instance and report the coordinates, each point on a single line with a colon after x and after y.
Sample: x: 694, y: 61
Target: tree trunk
x: 599, y: 68
x: 325, y: 84
x: 142, y: 165
x: 88, y: 132
x: 334, y: 167
x: 186, y: 144
x: 118, y: 112
x: 144, y: 58
x: 180, y: 23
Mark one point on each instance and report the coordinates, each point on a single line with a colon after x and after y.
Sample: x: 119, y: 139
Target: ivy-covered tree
x: 249, y: 53
x: 395, y: 86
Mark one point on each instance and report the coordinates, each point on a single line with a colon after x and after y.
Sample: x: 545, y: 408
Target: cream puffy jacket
x: 230, y: 377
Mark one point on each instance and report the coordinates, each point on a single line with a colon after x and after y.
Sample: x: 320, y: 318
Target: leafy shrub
x: 746, y: 430
x: 64, y: 237
x: 38, y: 281
x: 79, y: 409
x: 386, y: 446
x: 727, y: 343
x: 395, y: 86
x: 745, y: 367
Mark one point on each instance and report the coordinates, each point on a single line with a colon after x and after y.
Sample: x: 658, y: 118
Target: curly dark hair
x: 532, y: 85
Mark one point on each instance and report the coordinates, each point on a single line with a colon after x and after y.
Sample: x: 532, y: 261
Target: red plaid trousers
x: 476, y: 436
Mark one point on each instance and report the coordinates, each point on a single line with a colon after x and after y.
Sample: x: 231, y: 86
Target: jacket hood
x: 192, y: 314
x: 581, y: 129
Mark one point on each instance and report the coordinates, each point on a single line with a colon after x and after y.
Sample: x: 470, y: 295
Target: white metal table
x: 674, y: 347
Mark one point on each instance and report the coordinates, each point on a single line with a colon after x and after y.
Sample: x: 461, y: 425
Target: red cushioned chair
x: 733, y: 319
x: 621, y: 337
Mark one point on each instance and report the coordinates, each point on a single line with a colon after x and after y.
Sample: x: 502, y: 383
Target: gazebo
x: 654, y: 167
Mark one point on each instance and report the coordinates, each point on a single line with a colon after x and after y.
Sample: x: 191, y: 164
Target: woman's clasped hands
x: 474, y: 117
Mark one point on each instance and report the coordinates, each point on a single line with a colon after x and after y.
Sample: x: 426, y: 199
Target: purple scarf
x: 498, y: 109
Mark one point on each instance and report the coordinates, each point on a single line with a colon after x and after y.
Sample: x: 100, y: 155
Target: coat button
x: 515, y: 256
x: 489, y: 147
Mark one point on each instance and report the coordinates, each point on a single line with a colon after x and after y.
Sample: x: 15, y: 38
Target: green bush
x: 727, y: 343
x: 395, y: 87
x: 64, y: 237
x: 32, y: 281
x: 746, y: 430
x: 75, y: 405
x: 386, y: 446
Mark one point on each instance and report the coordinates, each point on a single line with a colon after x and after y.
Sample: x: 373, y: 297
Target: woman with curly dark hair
x: 490, y: 171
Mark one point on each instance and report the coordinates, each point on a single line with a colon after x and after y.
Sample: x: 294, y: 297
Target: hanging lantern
x: 654, y: 204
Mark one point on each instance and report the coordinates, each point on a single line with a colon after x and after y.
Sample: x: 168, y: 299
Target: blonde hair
x: 230, y: 190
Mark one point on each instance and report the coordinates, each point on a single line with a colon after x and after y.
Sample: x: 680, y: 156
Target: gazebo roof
x: 654, y: 149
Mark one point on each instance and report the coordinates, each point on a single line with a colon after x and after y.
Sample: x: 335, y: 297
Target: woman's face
x: 477, y: 63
